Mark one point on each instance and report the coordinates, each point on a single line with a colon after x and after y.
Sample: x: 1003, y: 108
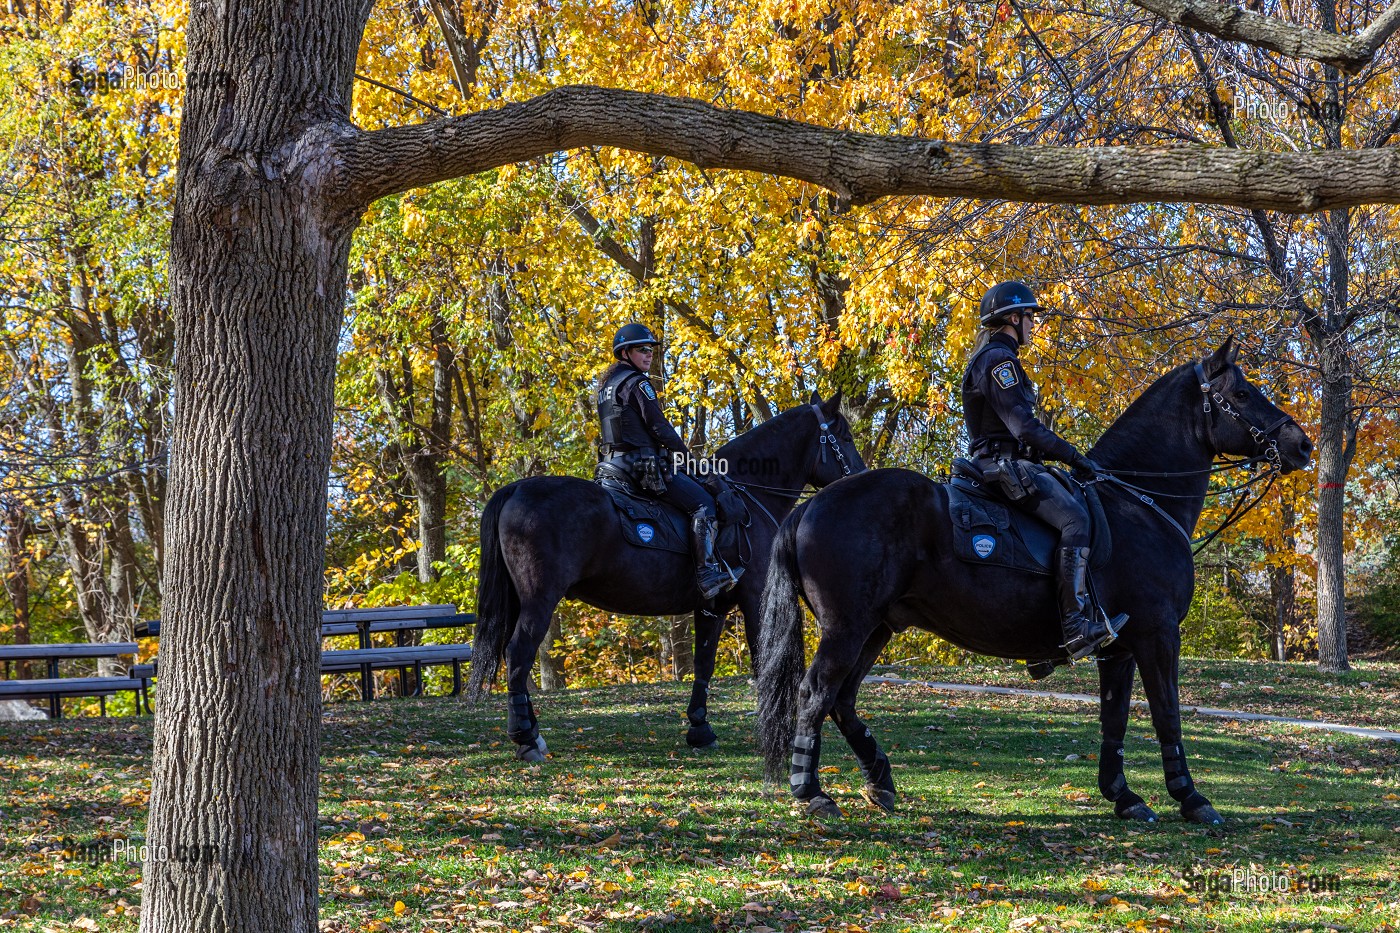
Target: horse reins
x: 1263, y: 437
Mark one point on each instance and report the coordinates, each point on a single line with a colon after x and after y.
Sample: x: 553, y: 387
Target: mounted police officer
x: 1008, y: 442
x: 635, y: 432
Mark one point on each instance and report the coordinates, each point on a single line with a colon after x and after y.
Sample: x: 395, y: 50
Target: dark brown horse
x: 549, y: 538
x: 872, y: 555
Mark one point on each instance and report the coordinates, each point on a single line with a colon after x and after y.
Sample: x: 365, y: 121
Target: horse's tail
x: 497, y: 602
x: 782, y: 652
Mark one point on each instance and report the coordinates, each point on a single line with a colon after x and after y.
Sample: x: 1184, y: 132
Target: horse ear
x: 832, y: 405
x: 815, y: 399
x: 1223, y: 358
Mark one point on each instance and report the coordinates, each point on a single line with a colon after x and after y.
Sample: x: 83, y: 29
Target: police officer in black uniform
x: 1008, y: 441
x: 634, y: 434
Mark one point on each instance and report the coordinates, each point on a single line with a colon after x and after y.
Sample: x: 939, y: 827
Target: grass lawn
x: 1368, y: 695
x: 426, y: 823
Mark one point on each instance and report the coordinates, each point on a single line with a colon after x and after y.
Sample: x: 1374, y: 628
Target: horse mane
x: 1152, y: 430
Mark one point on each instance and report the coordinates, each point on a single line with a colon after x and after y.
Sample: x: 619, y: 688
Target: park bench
x: 54, y: 688
x: 365, y: 623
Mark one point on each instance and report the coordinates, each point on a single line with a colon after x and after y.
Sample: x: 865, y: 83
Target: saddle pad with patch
x: 988, y: 531
x: 648, y: 523
x: 652, y: 524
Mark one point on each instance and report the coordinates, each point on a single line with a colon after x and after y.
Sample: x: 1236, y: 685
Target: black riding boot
x: 711, y: 575
x: 1084, y: 632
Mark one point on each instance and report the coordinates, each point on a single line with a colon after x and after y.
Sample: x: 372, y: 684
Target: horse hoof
x: 879, y: 797
x: 824, y: 808
x: 532, y: 753
x: 1204, y: 814
x: 706, y: 749
x: 1138, y: 811
x: 701, y: 737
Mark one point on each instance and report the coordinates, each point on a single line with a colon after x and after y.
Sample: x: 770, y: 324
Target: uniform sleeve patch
x: 1005, y: 374
x: 647, y: 390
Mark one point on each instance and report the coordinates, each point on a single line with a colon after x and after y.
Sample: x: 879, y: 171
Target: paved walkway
x: 1380, y: 734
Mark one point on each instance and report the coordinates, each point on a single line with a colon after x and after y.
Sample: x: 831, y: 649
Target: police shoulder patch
x: 647, y: 390
x: 1005, y: 374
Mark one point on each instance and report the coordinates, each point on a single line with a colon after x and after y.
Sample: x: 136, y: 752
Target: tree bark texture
x: 258, y: 272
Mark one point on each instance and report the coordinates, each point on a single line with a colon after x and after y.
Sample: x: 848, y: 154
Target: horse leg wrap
x: 699, y: 693
x: 874, y: 763
x: 1179, y: 783
x: 521, y: 725
x: 806, y: 750
x: 1112, y: 784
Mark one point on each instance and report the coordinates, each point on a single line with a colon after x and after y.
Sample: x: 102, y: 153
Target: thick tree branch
x: 1349, y: 53
x: 856, y: 166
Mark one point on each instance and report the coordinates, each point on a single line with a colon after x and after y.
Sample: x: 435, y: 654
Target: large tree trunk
x: 258, y: 271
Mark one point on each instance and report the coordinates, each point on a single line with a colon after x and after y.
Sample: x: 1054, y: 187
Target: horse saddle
x: 650, y: 523
x: 987, y: 530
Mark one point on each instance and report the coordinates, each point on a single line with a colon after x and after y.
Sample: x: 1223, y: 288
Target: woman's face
x: 640, y: 357
x: 1025, y: 326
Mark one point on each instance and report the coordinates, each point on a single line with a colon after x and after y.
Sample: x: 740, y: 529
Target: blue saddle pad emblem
x: 645, y: 531
x: 983, y: 545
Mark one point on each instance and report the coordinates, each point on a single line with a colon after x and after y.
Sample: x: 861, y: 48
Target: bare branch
x: 1349, y: 53
x: 856, y: 166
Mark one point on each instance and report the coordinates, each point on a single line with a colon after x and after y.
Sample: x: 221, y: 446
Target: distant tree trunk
x: 429, y: 471
x: 1336, y: 447
x: 423, y: 447
x: 682, y: 641
x: 1336, y: 442
x: 552, y: 673
x: 17, y: 529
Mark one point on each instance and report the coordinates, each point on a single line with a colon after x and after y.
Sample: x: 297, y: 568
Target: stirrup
x: 1081, y: 648
x: 711, y: 580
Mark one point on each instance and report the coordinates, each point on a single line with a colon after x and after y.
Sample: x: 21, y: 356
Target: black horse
x: 873, y: 555
x: 548, y: 538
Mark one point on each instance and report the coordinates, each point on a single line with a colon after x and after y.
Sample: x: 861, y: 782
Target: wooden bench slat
x: 352, y: 658
x: 346, y: 621
x: 67, y: 686
x: 387, y: 612
x: 44, y: 652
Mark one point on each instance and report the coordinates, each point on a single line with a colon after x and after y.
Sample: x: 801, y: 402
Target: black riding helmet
x: 1006, y: 298
x: 632, y: 335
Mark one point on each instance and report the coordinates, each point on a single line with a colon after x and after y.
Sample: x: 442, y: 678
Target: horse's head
x: 1240, y: 419
x: 837, y: 455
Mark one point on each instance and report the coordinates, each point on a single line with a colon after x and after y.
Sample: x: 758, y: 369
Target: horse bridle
x: 829, y: 439
x: 1263, y: 437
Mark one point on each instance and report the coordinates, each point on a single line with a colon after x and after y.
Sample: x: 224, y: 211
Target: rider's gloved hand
x: 1083, y: 468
